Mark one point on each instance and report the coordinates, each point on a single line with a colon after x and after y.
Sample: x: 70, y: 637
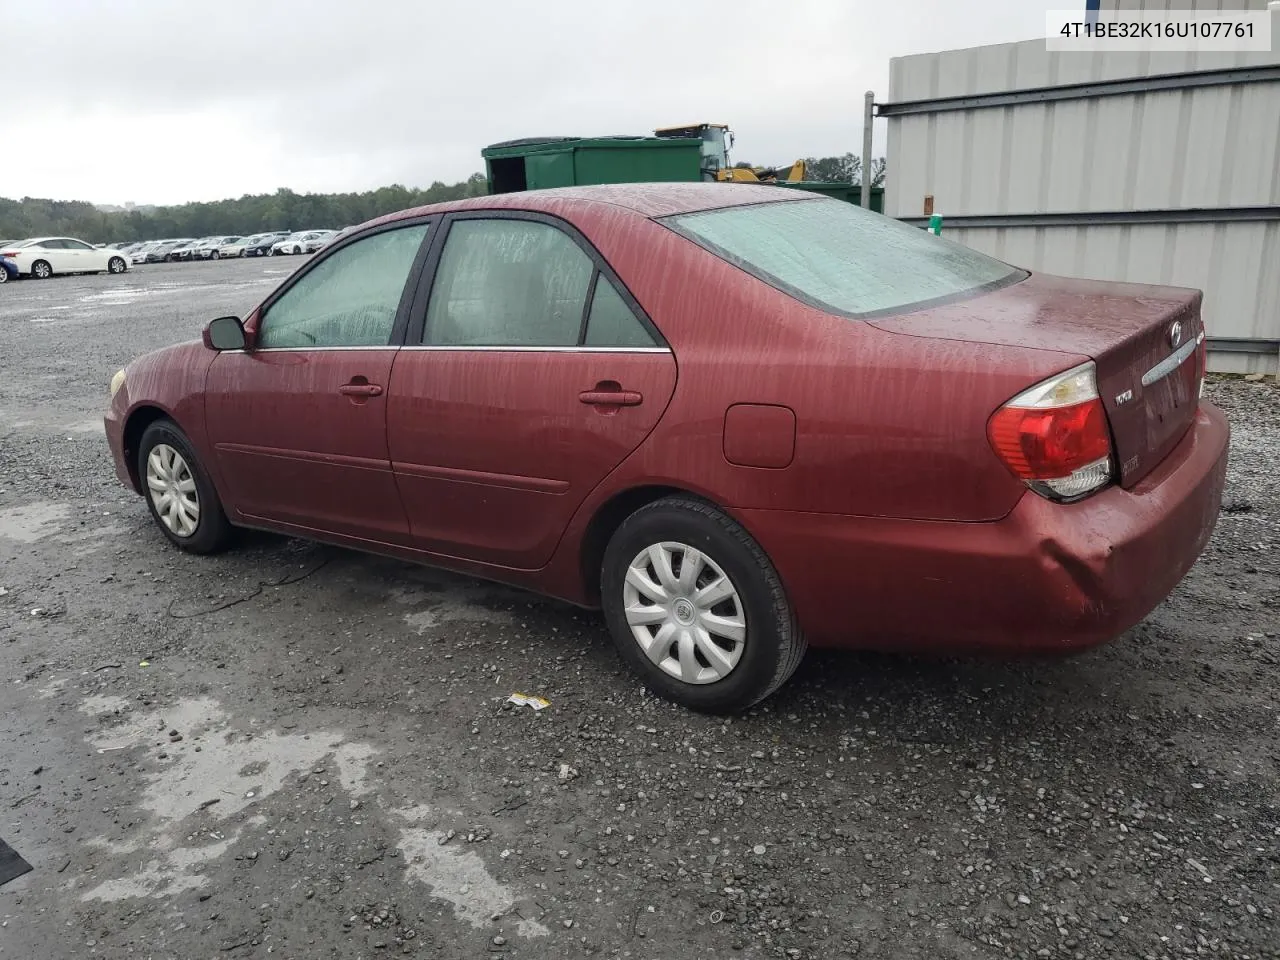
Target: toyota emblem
x: 1175, y: 334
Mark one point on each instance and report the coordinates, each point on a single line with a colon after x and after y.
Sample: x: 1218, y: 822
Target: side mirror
x: 225, y: 333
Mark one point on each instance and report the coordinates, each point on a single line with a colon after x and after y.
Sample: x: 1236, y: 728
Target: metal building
x: 1148, y: 167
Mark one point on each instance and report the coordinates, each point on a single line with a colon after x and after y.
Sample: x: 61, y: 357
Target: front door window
x: 349, y: 299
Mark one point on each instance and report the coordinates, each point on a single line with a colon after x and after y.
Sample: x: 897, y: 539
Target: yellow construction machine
x: 716, y: 139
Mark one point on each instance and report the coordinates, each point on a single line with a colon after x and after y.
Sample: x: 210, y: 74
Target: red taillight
x: 8, y: 253
x: 1050, y: 443
x: 1055, y: 436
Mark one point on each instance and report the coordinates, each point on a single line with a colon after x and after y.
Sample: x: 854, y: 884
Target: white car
x: 295, y: 243
x: 42, y: 257
x: 234, y: 247
x: 139, y: 253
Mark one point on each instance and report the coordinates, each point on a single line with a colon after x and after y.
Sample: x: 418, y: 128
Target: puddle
x: 33, y: 522
x: 123, y: 294
x: 218, y: 769
x: 184, y: 834
x: 84, y: 426
x: 459, y: 877
x: 86, y: 542
x: 53, y: 688
x: 448, y: 604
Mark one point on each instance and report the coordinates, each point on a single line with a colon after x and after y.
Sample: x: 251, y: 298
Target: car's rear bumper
x: 1048, y: 577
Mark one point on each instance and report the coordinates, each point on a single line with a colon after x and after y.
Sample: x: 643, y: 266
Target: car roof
x: 644, y: 199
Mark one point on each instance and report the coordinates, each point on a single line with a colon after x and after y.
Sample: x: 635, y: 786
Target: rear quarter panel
x: 887, y: 424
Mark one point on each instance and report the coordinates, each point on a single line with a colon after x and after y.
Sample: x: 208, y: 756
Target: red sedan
x: 737, y: 418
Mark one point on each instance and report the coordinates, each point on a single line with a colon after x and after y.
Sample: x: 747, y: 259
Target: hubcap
x: 172, y: 488
x: 684, y: 612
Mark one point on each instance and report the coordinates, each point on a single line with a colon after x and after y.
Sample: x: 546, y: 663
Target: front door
x: 84, y: 257
x: 298, y: 421
x: 536, y: 376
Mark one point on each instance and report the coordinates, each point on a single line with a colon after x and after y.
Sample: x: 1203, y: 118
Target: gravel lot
x: 299, y: 751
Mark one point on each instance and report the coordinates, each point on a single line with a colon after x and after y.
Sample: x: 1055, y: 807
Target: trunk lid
x: 1141, y: 338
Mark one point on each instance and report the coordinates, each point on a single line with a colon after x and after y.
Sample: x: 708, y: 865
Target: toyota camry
x: 738, y: 419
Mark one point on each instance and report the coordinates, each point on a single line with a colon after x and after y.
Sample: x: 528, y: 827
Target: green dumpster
x: 840, y: 190
x: 538, y: 163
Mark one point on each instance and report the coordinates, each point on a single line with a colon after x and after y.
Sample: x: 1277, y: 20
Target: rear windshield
x: 841, y: 258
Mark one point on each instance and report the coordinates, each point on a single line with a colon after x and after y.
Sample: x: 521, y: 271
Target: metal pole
x: 867, y: 114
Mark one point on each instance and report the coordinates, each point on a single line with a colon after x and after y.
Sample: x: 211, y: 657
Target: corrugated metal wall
x: 1100, y: 156
x: 1204, y: 5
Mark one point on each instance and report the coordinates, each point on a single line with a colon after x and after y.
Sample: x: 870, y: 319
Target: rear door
x: 56, y: 253
x: 534, y: 374
x: 298, y: 422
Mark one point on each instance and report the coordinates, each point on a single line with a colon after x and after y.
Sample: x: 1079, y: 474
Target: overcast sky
x: 164, y: 102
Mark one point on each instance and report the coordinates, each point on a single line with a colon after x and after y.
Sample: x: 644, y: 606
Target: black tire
x: 116, y: 265
x: 214, y: 255
x: 773, y: 645
x: 41, y: 270
x: 4, y: 275
x: 213, y: 532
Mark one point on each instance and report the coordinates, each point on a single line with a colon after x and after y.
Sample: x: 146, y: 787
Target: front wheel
x: 4, y: 275
x: 696, y: 608
x: 116, y: 265
x: 179, y: 494
x: 215, y: 255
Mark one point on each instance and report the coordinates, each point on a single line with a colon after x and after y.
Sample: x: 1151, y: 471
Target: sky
x: 117, y: 101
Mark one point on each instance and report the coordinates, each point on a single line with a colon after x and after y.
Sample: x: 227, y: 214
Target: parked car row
x: 271, y: 244
x: 42, y: 257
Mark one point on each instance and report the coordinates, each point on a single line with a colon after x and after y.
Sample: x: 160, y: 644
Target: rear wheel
x: 4, y: 275
x: 41, y: 270
x: 696, y: 608
x: 179, y: 494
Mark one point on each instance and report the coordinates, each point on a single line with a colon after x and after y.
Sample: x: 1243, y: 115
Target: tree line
x: 847, y: 169
x: 282, y: 210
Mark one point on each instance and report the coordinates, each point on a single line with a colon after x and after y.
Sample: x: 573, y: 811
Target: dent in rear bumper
x: 1047, y: 577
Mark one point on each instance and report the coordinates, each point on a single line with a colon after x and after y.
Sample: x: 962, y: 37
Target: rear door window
x: 510, y: 283
x: 611, y: 322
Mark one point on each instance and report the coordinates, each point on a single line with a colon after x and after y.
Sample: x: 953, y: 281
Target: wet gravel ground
x: 298, y: 751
